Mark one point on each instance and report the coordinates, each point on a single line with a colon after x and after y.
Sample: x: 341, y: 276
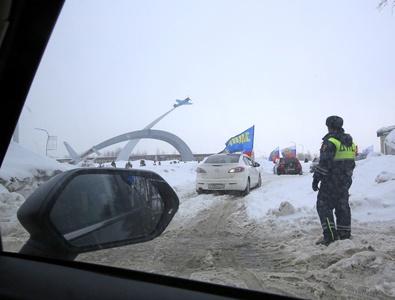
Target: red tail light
x: 299, y: 165
x: 200, y: 170
x: 236, y: 170
x: 281, y: 165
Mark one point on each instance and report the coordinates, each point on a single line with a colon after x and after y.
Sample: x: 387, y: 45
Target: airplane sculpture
x: 127, y: 150
x: 182, y: 102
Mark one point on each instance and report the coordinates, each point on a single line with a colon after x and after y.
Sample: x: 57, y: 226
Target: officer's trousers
x: 334, y: 195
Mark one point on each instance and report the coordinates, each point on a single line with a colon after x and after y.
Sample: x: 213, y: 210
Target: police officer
x: 334, y: 171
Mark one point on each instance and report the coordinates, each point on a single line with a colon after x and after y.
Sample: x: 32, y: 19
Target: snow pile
x: 281, y: 214
x: 21, y: 163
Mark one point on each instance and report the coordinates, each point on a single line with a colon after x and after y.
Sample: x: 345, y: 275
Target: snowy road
x: 211, y: 246
x: 221, y: 245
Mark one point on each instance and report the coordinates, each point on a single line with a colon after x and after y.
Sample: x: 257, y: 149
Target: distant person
x: 334, y: 171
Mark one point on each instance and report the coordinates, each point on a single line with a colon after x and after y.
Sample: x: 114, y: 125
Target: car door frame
x: 252, y: 171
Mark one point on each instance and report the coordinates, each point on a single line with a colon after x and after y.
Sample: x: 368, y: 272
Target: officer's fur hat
x: 334, y: 122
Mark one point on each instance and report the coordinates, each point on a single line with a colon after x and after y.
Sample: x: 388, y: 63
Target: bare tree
x: 383, y: 3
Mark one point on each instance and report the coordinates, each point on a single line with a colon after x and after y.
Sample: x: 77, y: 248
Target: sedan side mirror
x: 256, y: 164
x: 88, y: 209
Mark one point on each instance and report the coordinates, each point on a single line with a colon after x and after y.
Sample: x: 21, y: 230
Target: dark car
x: 314, y: 164
x: 287, y: 165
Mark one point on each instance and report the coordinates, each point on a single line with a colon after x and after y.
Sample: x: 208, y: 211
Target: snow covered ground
x: 282, y: 212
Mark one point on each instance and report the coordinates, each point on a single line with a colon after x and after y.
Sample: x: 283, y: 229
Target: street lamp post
x: 46, y: 146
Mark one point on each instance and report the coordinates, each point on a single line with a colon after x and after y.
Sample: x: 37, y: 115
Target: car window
x: 137, y: 84
x: 228, y: 159
x: 215, y: 159
x: 247, y: 161
x: 290, y: 160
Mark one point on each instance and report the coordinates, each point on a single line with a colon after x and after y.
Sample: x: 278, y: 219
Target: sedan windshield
x: 222, y: 159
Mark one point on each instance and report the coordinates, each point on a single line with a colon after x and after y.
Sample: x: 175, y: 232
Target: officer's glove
x: 315, y: 185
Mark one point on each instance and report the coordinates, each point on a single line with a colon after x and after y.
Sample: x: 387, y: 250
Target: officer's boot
x: 327, y: 239
x: 330, y: 235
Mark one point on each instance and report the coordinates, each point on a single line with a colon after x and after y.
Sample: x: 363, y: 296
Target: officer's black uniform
x: 334, y: 171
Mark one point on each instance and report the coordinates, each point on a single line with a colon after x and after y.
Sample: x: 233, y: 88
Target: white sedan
x: 228, y: 172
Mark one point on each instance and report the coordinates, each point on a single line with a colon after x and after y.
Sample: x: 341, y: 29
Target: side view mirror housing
x: 256, y: 164
x: 88, y: 209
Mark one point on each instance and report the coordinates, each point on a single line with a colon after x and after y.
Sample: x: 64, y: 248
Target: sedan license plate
x: 216, y: 186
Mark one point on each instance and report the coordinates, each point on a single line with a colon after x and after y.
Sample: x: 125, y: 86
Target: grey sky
x: 283, y: 66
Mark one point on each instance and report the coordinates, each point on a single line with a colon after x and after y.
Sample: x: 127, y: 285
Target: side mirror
x: 256, y: 164
x: 88, y: 209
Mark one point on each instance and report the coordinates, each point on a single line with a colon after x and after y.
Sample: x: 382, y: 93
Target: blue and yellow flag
x: 241, y: 142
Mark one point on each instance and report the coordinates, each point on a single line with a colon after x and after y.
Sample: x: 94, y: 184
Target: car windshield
x: 222, y: 159
x: 166, y: 86
x: 290, y: 160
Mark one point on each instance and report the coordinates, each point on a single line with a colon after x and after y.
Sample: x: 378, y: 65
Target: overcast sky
x: 283, y: 66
